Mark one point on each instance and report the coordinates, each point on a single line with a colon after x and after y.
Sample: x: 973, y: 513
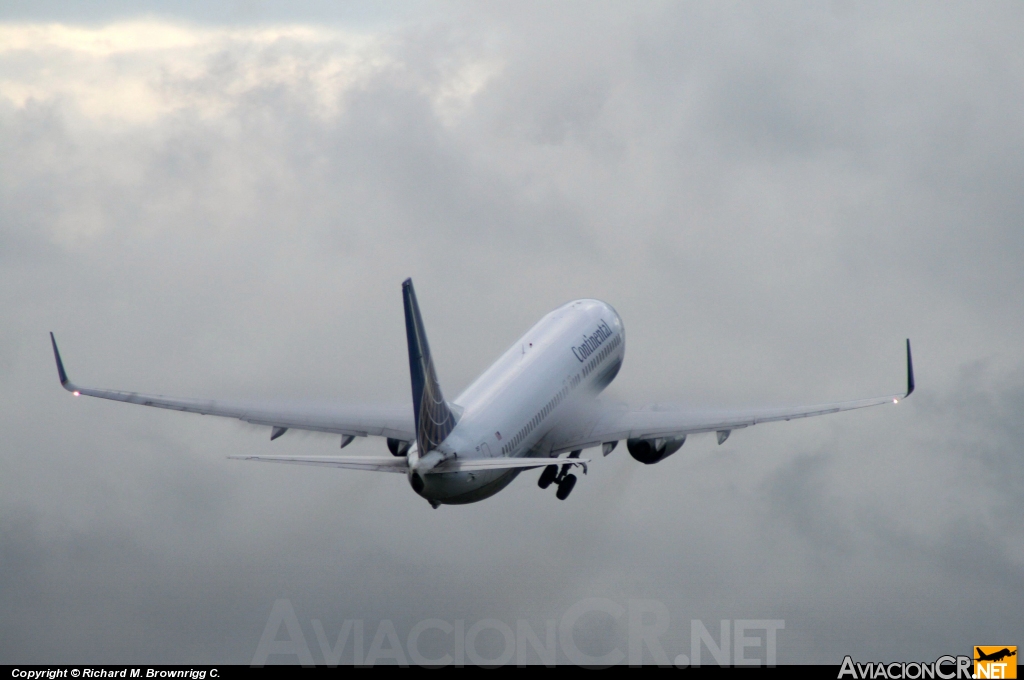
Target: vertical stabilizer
x: 434, y: 420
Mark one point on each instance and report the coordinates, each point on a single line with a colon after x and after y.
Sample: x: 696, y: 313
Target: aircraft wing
x: 668, y: 421
x: 662, y: 421
x: 352, y: 420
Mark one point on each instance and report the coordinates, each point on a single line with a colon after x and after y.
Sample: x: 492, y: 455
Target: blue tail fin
x: 434, y: 420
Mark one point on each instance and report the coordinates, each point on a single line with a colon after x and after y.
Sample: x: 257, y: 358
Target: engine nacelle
x: 650, y: 451
x: 398, y: 447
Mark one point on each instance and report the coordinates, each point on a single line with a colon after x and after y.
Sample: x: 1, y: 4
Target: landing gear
x: 560, y: 477
x: 565, y: 487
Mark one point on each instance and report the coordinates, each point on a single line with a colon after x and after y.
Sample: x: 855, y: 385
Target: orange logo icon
x: 995, y: 661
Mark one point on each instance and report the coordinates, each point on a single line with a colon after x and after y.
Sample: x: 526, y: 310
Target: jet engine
x: 650, y: 451
x: 398, y: 447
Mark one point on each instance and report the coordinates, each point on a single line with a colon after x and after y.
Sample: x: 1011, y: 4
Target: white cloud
x: 139, y: 71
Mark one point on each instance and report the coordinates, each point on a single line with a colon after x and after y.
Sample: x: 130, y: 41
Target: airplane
x: 994, y: 656
x: 535, y: 403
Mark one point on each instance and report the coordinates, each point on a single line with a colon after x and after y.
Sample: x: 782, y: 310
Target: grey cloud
x: 772, y: 201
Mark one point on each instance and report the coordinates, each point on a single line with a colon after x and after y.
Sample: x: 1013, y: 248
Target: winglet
x: 65, y: 383
x: 910, y: 372
x: 434, y: 420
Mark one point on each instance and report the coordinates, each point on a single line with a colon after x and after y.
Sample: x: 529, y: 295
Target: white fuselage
x: 572, y: 353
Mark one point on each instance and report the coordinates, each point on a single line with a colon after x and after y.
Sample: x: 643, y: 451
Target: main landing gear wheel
x: 548, y: 476
x: 565, y: 487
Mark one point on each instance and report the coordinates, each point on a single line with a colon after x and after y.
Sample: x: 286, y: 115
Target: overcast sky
x: 222, y: 200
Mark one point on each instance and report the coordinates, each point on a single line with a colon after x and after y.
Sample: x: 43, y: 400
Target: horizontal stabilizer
x: 396, y: 464
x: 371, y: 463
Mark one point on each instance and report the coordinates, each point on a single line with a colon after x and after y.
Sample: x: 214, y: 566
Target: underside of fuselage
x: 460, y: 488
